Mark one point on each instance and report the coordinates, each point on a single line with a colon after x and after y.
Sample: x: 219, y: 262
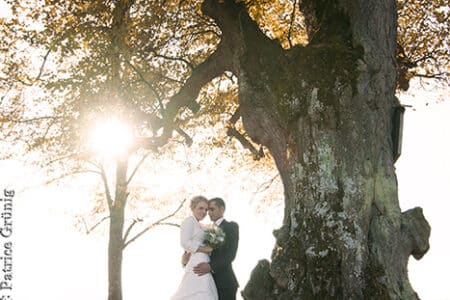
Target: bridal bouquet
x: 214, y: 237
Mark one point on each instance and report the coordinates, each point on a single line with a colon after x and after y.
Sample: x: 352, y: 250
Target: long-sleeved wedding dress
x: 192, y: 286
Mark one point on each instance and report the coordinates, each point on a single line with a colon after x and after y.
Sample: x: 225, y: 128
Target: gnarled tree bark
x: 324, y: 111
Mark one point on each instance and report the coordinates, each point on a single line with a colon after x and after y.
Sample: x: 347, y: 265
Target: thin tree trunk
x: 116, y: 242
x: 117, y: 98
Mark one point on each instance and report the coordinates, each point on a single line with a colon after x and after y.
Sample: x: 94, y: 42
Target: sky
x: 53, y: 260
x: 423, y: 172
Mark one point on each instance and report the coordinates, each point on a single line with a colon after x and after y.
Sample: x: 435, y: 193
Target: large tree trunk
x: 325, y: 113
x: 116, y: 242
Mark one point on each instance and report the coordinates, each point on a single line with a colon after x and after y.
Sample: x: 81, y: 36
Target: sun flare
x: 110, y: 138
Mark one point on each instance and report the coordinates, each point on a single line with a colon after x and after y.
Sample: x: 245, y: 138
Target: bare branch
x: 71, y: 173
x: 97, y: 165
x: 169, y: 224
x: 266, y: 185
x: 257, y: 154
x: 127, y: 232
x: 6, y: 93
x: 31, y: 120
x: 235, y: 117
x: 38, y: 76
x: 292, y: 24
x: 161, y: 75
x: 425, y: 57
x: 434, y: 76
x: 159, y: 222
x: 41, y: 69
x: 187, y: 138
x: 61, y: 158
x: 141, y: 161
x: 89, y: 230
x: 189, y: 64
x: 147, y: 83
x: 52, y: 122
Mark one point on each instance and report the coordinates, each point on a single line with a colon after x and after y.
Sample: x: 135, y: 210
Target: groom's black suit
x: 221, y: 259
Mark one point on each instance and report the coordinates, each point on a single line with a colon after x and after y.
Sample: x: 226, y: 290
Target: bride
x: 192, y: 286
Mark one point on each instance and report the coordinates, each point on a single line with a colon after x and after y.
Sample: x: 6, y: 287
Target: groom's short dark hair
x: 219, y: 202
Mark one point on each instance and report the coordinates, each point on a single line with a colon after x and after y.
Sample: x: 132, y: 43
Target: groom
x: 222, y: 257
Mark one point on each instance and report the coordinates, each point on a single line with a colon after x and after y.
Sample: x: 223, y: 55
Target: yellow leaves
x: 441, y: 16
x: 70, y: 19
x: 423, y: 28
x: 85, y: 45
x: 281, y: 20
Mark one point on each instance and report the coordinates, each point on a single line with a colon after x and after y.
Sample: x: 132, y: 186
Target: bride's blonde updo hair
x: 196, y: 200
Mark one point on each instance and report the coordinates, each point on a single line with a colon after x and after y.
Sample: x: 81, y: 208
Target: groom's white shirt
x: 218, y: 222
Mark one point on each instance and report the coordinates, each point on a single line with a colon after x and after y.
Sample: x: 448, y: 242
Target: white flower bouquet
x: 214, y: 237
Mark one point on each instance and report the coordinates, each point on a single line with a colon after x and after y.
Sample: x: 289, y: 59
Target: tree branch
x: 425, y: 57
x: 62, y: 176
x: 105, y: 185
x: 235, y: 117
x: 6, y: 93
x: 212, y: 67
x: 38, y: 76
x: 161, y: 75
x: 61, y: 158
x: 89, y: 230
x: 189, y: 64
x: 185, y: 135
x: 141, y: 161
x: 159, y: 222
x: 127, y: 232
x: 434, y: 76
x: 292, y: 24
x: 41, y: 69
x: 266, y: 185
x: 257, y: 154
x: 31, y: 120
x: 226, y: 15
x: 233, y: 132
x: 148, y: 84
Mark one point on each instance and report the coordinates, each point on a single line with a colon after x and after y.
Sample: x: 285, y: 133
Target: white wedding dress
x: 192, y: 286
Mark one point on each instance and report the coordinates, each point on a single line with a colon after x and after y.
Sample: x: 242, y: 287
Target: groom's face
x: 215, y: 212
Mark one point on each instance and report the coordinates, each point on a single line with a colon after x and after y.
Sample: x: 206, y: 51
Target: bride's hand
x: 185, y: 258
x: 205, y: 249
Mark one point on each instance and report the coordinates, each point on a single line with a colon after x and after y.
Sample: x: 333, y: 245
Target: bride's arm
x: 187, y: 240
x: 205, y: 249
